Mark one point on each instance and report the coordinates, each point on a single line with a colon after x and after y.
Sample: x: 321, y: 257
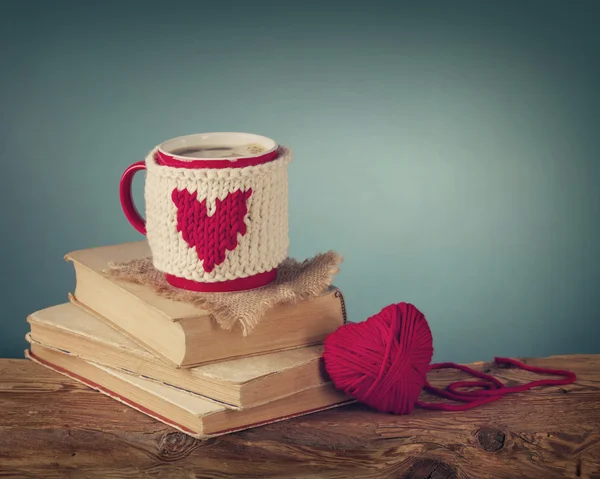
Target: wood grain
x: 52, y: 427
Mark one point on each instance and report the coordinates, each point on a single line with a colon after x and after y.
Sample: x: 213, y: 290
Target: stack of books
x: 172, y: 361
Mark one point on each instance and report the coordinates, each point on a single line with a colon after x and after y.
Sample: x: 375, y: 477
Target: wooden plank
x: 52, y: 427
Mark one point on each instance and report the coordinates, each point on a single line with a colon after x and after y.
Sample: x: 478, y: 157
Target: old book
x: 186, y: 335
x: 189, y: 413
x: 238, y: 383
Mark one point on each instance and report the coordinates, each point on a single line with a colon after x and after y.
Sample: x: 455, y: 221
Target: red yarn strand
x: 492, y: 388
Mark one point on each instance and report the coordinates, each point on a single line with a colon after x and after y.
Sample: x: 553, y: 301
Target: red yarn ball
x: 382, y: 361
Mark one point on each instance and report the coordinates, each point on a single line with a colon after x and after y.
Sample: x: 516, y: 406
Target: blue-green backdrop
x: 449, y: 150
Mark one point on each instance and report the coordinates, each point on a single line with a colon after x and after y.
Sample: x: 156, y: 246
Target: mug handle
x: 127, y: 204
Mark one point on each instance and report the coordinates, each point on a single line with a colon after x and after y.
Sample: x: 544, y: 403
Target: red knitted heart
x: 212, y: 236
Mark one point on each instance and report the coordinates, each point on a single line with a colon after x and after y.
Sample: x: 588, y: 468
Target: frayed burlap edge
x: 296, y: 281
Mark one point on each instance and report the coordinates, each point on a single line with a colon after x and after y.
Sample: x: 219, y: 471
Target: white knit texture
x: 266, y: 241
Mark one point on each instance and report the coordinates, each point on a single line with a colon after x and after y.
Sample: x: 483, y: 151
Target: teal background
x: 449, y: 150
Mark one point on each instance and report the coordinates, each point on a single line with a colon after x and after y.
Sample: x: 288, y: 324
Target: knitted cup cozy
x: 213, y: 225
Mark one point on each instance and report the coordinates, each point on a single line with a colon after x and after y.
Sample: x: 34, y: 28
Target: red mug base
x: 239, y: 284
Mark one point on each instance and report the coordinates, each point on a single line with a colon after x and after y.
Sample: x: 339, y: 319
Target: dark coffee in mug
x: 212, y: 152
x: 218, y: 151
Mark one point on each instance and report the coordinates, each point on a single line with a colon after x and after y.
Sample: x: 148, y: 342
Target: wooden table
x: 53, y: 427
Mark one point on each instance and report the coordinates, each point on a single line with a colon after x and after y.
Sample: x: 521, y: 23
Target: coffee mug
x: 216, y: 210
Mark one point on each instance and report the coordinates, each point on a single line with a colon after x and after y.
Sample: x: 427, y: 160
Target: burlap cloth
x: 296, y: 281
